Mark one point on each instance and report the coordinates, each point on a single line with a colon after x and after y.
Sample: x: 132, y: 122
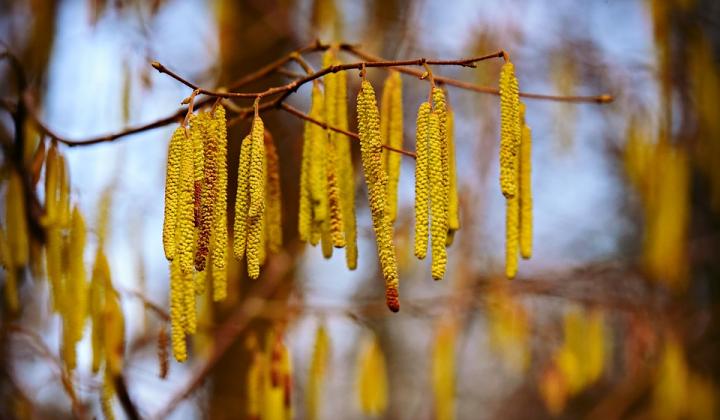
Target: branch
x: 599, y: 99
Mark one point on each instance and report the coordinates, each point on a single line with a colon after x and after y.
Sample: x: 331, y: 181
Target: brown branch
x: 599, y: 99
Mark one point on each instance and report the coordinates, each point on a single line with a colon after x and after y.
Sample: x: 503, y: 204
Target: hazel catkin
x: 509, y: 129
x: 219, y: 236
x: 526, y: 205
x: 453, y: 220
x: 242, y: 199
x: 185, y: 224
x: 391, y: 127
x: 346, y: 174
x: 422, y: 181
x: 172, y: 189
x: 376, y: 179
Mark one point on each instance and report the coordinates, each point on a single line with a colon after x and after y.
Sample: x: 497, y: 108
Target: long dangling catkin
x: 509, y: 129
x: 98, y: 291
x: 189, y: 309
x: 512, y: 219
x: 177, y: 312
x: 526, y: 206
x: 318, y: 152
x: 219, y: 237
x: 346, y: 175
x: 205, y: 143
x: 17, y: 233
x: 422, y: 180
x: 331, y: 161
x: 440, y: 179
x: 51, y: 183
x: 393, y: 137
x: 172, y: 182
x: 273, y: 195
x: 76, y: 284
x: 256, y: 208
x: 198, y: 132
x: 185, y: 224
x: 305, y: 204
x: 372, y: 382
x: 63, y: 204
x: 376, y: 179
x: 443, y: 370
x: 242, y: 199
x: 114, y: 325
x: 316, y: 375
x: 453, y: 204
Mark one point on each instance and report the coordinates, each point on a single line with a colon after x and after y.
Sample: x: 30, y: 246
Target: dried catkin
x: 185, y: 224
x: 422, y: 180
x: 162, y: 353
x: 273, y: 197
x: 526, y: 205
x: 453, y: 204
x: 393, y: 137
x: 177, y: 312
x: 509, y: 129
x: 346, y: 175
x: 172, y: 189
x: 17, y: 233
x: 376, y: 179
x: 242, y: 199
x: 204, y: 143
x: 219, y: 237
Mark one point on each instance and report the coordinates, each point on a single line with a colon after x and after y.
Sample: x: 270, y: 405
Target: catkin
x: 114, y: 334
x: 188, y: 288
x: 437, y: 227
x: 526, y: 206
x: 172, y: 181
x: 318, y: 151
x: 512, y: 216
x: 316, y: 376
x: 11, y: 292
x: 177, y: 313
x: 509, y: 129
x: 99, y: 285
x: 372, y: 382
x: 256, y: 193
x: 242, y: 199
x: 330, y: 158
x: 273, y: 197
x: 106, y: 394
x: 51, y: 183
x: 443, y: 370
x: 346, y: 175
x: 63, y: 204
x: 453, y: 204
x: 17, y: 233
x: 376, y: 179
x: 422, y: 180
x: 219, y: 237
x: 305, y: 204
x: 76, y: 284
x: 393, y: 137
x: 205, y: 144
x: 185, y: 224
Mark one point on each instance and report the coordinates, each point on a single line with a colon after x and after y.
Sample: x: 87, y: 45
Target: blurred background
x: 615, y: 316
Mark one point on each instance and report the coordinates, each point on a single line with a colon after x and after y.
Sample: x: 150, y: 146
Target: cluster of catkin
x: 269, y: 379
x: 515, y: 170
x: 327, y: 190
x: 436, y: 199
x: 258, y: 210
x: 195, y: 224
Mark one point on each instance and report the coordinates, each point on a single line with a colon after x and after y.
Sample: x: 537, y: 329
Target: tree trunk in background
x: 250, y: 38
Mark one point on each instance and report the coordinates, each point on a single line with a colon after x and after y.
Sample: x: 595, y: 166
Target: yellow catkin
x: 177, y: 313
x: 443, y: 370
x: 256, y: 193
x: 185, y: 224
x: 242, y: 199
x: 51, y: 182
x: 422, y: 180
x: 512, y: 219
x: 318, y: 152
x: 76, y: 289
x: 376, y: 180
x: 510, y: 130
x: 393, y: 137
x: 98, y: 291
x: 346, y: 175
x: 440, y: 180
x: 330, y: 100
x: 326, y: 242
x: 372, y: 381
x: 219, y: 237
x: 273, y: 197
x: 437, y: 227
x: 114, y: 326
x: 172, y: 180
x: 162, y: 353
x: 305, y: 204
x: 189, y: 308
x: 453, y: 203
x: 63, y: 204
x: 526, y: 204
x: 316, y: 375
x: 17, y: 232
